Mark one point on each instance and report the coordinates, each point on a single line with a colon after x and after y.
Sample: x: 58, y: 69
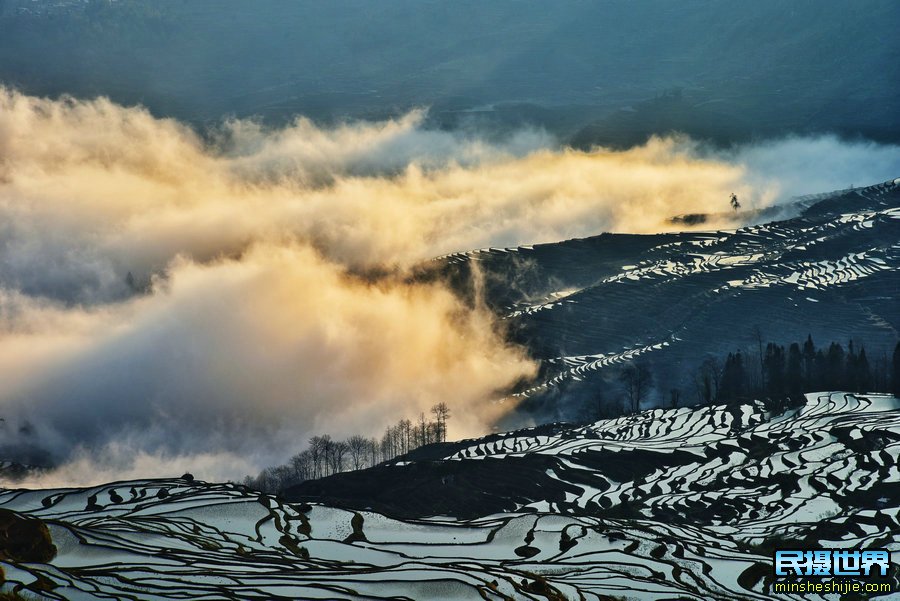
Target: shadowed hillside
x: 588, y: 308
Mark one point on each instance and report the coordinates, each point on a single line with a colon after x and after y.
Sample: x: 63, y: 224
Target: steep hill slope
x: 586, y: 307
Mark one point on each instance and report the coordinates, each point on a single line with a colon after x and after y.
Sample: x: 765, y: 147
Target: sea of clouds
x: 268, y: 297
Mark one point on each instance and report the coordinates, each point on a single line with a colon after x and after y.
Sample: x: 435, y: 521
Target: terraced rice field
x: 584, y: 307
x: 663, y: 504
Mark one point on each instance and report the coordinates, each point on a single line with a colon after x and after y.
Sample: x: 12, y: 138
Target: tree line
x: 325, y: 456
x: 779, y: 372
x: 771, y: 370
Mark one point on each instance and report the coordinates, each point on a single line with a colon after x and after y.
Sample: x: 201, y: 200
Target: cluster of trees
x: 326, y: 456
x: 770, y: 371
x: 776, y: 372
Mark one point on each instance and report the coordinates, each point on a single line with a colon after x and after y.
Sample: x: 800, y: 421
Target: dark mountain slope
x: 721, y: 465
x: 587, y: 307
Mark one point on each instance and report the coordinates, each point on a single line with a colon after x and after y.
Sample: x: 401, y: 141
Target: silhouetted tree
x: 302, y: 465
x: 318, y: 448
x: 762, y: 364
x: 801, y: 369
x: 636, y: 378
x: 423, y: 430
x: 881, y: 373
x: 434, y: 432
x: 282, y: 476
x: 339, y: 451
x: 388, y: 444
x: 441, y: 414
x: 373, y: 452
x: 821, y: 371
x: 794, y: 374
x: 849, y: 380
x: 326, y: 456
x: 774, y: 368
x: 406, y: 432
x: 863, y: 372
x: 328, y: 448
x: 733, y: 377
x: 357, y: 446
x: 834, y: 375
x: 809, y: 362
x: 708, y: 380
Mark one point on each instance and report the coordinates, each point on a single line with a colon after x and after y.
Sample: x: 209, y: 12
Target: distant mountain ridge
x: 609, y: 72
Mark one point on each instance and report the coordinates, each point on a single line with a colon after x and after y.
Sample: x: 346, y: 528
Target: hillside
x: 682, y: 503
x: 830, y: 272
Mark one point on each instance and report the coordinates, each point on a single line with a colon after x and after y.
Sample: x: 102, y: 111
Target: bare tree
x: 273, y: 479
x: 386, y: 445
x: 357, y: 445
x: 284, y: 476
x: 373, y: 451
x: 423, y: 430
x: 339, y: 452
x: 302, y: 465
x: 434, y: 432
x: 319, y: 448
x: 441, y: 414
x: 636, y: 379
x: 406, y: 429
x: 264, y: 480
x: 396, y: 440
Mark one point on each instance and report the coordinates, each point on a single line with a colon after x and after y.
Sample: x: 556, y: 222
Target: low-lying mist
x: 173, y: 300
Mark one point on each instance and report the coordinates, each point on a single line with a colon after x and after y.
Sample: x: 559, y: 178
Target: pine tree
x: 850, y: 380
x: 794, y: 374
x: 733, y: 377
x: 834, y: 374
x: 774, y: 368
x: 863, y: 373
x: 809, y: 363
x: 820, y: 379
